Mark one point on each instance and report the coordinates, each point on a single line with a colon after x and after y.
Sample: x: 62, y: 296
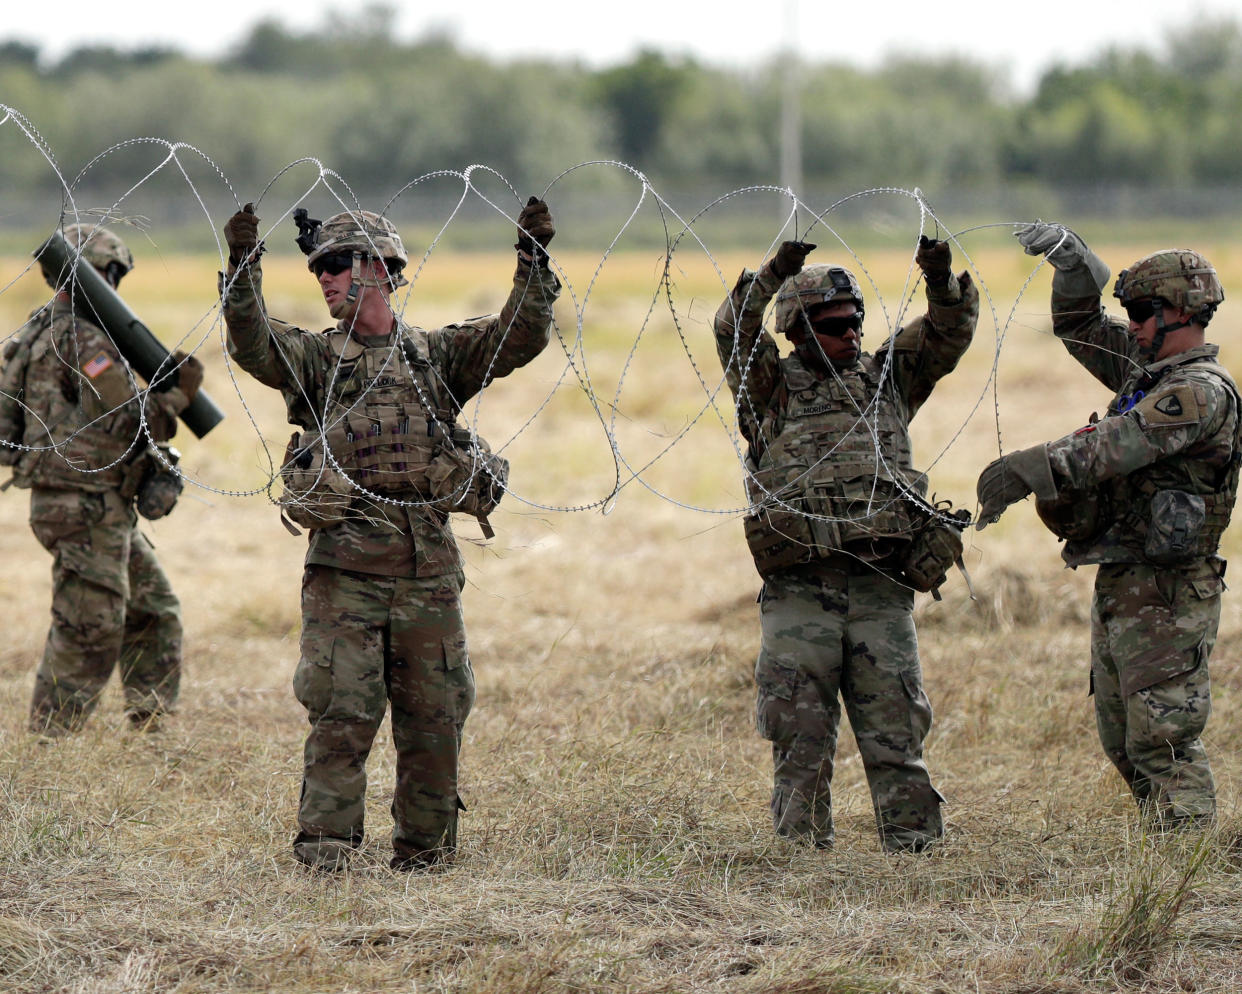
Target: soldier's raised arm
x: 929, y: 348
x: 475, y: 352
x: 749, y: 355
x: 1094, y: 339
x: 272, y: 351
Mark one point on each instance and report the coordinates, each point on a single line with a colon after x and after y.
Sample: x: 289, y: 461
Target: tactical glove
x: 935, y: 258
x: 1008, y: 479
x: 535, y: 230
x: 790, y: 258
x: 241, y: 232
x: 1082, y: 271
x: 189, y: 374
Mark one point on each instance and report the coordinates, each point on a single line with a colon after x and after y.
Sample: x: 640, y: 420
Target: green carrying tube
x: 64, y: 268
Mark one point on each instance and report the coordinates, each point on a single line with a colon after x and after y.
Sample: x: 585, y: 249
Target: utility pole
x: 791, y: 108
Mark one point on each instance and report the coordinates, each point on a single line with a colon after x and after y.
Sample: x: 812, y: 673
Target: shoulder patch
x: 101, y: 362
x: 109, y: 383
x: 1169, y: 405
x: 1178, y: 404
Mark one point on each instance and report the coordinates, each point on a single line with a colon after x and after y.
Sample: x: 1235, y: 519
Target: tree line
x: 381, y: 110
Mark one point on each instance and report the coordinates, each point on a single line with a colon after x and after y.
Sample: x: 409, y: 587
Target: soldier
x: 1144, y: 493
x: 377, y: 468
x: 77, y: 431
x: 840, y: 530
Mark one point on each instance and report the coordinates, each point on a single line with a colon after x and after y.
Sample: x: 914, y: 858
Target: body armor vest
x: 389, y: 432
x: 383, y: 421
x: 62, y: 452
x: 1174, y: 511
x: 835, y: 471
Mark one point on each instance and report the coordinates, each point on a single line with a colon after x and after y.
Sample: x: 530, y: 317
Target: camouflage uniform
x: 830, y: 472
x: 1172, y: 426
x: 381, y: 612
x: 80, y: 412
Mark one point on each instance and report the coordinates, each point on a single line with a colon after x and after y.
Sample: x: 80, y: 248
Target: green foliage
x: 642, y: 97
x: 382, y: 111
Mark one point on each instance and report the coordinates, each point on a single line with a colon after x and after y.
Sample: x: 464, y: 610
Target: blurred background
x: 1063, y: 111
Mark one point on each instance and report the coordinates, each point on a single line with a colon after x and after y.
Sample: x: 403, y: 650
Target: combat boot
x: 323, y: 853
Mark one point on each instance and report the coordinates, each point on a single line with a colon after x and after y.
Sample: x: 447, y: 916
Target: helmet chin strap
x: 814, y: 355
x: 356, y: 282
x: 1151, y: 352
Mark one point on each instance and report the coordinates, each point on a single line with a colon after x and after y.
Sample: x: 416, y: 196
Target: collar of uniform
x: 1208, y: 350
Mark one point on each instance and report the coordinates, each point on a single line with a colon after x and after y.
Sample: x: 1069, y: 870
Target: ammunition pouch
x: 1174, y: 527
x: 16, y: 356
x: 778, y: 539
x: 388, y: 453
x: 935, y: 547
x: 797, y: 522
x: 465, y: 475
x: 152, y: 483
x: 315, y: 493
x: 1173, y: 533
x: 160, y: 485
x: 455, y: 471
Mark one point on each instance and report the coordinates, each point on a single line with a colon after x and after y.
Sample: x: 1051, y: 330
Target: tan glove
x: 1008, y: 479
x: 790, y: 258
x: 241, y: 232
x: 1082, y: 271
x: 535, y: 230
x: 189, y: 374
x: 935, y: 258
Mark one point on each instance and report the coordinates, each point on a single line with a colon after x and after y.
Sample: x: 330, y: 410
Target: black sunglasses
x: 334, y: 263
x: 837, y: 327
x: 1140, y: 310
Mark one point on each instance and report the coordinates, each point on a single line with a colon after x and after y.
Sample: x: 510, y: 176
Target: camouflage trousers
x: 367, y: 642
x: 1152, y: 631
x: 847, y: 632
x: 111, y: 605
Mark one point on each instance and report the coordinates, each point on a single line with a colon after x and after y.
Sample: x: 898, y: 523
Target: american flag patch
x: 97, y: 365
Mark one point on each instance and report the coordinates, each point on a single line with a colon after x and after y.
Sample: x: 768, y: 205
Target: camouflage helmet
x: 1181, y: 277
x: 814, y: 285
x: 364, y: 232
x: 99, y: 246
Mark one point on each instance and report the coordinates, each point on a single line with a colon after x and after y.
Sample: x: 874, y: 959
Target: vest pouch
x: 12, y: 389
x: 778, y: 538
x: 315, y: 494
x: 161, y: 484
x: 869, y: 509
x: 1173, y: 530
x: 136, y: 469
x: 386, y: 454
x: 825, y: 527
x: 466, y: 475
x: 934, y: 549
x: 778, y: 531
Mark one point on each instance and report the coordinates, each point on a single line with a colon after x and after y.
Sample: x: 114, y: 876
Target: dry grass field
x: 617, y: 837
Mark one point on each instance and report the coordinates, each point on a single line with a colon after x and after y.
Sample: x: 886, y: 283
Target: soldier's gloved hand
x: 790, y: 258
x: 189, y: 374
x: 1008, y: 479
x: 241, y: 232
x: 935, y: 258
x: 535, y: 230
x: 1065, y: 252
